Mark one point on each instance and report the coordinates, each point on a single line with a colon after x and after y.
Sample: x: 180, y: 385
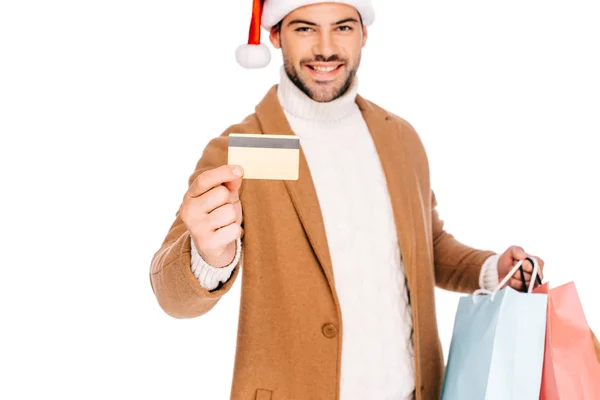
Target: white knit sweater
x: 377, y: 349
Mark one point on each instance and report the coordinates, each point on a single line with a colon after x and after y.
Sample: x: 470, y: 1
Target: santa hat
x: 268, y: 13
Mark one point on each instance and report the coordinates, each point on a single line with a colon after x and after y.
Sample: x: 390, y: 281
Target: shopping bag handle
x: 517, y: 266
x: 537, y: 276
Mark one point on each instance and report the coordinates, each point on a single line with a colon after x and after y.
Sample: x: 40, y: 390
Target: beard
x: 321, y: 96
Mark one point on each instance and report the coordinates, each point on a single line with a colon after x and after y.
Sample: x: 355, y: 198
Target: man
x: 340, y: 266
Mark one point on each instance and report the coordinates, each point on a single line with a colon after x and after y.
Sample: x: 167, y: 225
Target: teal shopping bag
x: 497, y: 347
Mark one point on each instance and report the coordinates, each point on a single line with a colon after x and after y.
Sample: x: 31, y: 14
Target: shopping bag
x: 497, y: 346
x: 596, y: 346
x: 571, y: 368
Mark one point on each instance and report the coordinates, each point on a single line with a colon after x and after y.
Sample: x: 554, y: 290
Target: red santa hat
x: 268, y: 13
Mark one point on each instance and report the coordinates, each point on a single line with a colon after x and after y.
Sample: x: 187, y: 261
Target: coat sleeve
x: 174, y: 284
x: 457, y: 266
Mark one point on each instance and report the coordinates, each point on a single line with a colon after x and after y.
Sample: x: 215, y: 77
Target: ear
x: 275, y: 37
x: 365, y: 35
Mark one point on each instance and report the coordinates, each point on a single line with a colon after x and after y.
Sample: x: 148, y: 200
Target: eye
x: 345, y: 28
x: 304, y: 29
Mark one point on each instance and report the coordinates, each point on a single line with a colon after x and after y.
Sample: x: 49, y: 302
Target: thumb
x: 234, y: 184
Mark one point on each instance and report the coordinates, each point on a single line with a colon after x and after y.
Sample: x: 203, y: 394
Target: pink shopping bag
x: 571, y: 366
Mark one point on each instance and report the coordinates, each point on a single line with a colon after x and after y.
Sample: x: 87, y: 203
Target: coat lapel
x: 388, y: 141
x: 302, y: 192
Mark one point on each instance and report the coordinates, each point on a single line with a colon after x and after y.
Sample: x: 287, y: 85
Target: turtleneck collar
x: 298, y: 104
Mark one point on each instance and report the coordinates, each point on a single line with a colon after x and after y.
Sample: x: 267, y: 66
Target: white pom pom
x: 253, y: 55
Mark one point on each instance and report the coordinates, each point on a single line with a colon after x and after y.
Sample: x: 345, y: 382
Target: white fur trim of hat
x: 268, y: 13
x: 275, y: 10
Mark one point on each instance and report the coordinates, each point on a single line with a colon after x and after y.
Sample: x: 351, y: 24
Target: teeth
x: 325, y: 69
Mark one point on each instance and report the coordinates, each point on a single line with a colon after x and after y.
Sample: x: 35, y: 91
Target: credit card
x: 265, y: 156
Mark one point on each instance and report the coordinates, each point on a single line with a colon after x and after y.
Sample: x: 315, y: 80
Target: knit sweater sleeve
x: 208, y: 276
x: 488, y: 277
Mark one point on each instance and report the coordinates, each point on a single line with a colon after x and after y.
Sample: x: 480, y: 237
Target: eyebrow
x: 344, y: 21
x: 301, y: 21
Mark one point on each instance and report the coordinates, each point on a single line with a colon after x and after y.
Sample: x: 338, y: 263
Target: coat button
x: 329, y: 330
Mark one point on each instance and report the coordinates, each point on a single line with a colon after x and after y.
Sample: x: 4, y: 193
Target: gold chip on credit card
x: 265, y: 156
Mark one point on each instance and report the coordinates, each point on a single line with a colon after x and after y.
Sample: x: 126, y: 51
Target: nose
x: 325, y: 45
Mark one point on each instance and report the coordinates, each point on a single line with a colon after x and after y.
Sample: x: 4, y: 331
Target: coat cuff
x: 208, y: 276
x: 488, y: 277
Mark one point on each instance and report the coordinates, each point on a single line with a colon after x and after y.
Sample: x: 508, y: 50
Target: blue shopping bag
x: 497, y: 347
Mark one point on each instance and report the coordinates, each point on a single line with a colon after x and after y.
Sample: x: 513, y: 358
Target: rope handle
x: 518, y: 266
x: 537, y: 276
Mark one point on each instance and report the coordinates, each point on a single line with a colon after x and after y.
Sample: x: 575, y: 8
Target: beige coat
x: 290, y: 324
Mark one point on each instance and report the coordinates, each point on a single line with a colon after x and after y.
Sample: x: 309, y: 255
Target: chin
x: 322, y: 97
x: 320, y: 90
x: 325, y: 94
x: 325, y: 90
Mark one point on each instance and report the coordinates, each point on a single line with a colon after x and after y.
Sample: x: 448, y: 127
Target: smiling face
x: 321, y: 46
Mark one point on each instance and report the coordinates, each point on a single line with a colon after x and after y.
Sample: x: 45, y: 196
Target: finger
x: 215, y: 198
x: 517, y: 253
x: 212, y: 178
x: 234, y: 185
x: 238, y: 212
x: 527, y: 266
x: 540, y: 266
x: 227, y: 234
x: 541, y: 262
x: 515, y: 284
x: 523, y: 277
x: 517, y: 275
x: 222, y: 216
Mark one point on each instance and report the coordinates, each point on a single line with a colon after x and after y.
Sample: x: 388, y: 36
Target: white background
x: 106, y: 106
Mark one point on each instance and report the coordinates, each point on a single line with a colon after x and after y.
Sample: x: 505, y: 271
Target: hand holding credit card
x: 265, y: 156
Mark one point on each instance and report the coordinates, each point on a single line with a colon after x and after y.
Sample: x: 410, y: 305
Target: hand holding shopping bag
x: 571, y: 368
x: 497, y: 346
